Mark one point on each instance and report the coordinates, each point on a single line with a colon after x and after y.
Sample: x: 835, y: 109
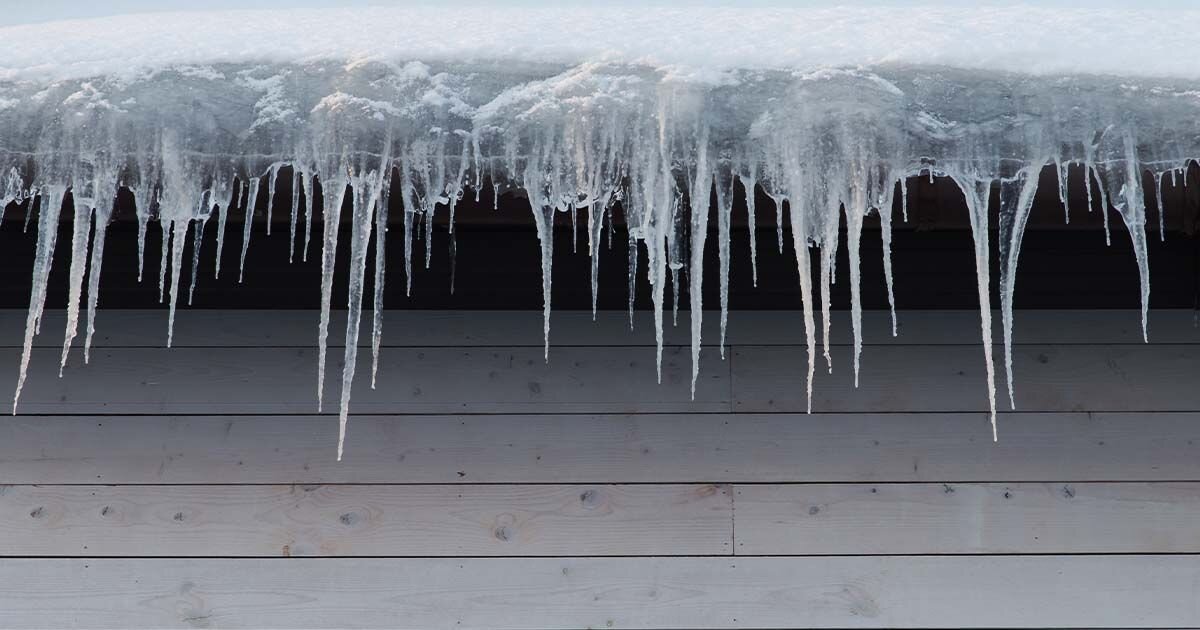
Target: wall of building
x: 483, y: 487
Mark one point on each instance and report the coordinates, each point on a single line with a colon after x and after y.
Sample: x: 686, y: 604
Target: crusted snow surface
x: 654, y: 111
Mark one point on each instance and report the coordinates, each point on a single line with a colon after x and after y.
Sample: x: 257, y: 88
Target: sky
x: 31, y: 11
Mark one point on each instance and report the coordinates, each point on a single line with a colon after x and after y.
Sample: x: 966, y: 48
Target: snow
x: 657, y: 110
x: 694, y: 42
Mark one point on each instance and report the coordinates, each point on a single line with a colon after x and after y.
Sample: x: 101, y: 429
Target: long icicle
x: 334, y: 193
x: 365, y: 189
x: 49, y: 203
x: 976, y: 192
x: 103, y: 214
x: 81, y: 226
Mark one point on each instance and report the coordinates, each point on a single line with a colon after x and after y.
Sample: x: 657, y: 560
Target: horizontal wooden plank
x: 276, y: 328
x: 812, y: 592
x: 372, y: 520
x: 411, y: 380
x: 769, y: 328
x: 953, y: 378
x: 957, y: 518
x: 601, y: 448
x: 402, y: 328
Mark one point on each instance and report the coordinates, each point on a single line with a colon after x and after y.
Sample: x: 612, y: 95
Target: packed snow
x: 657, y: 111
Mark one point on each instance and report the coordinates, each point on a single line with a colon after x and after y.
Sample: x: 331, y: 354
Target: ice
x: 598, y: 115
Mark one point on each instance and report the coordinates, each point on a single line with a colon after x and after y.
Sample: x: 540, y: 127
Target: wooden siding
x: 197, y: 487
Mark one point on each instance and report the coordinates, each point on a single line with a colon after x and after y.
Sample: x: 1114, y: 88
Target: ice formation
x: 660, y: 111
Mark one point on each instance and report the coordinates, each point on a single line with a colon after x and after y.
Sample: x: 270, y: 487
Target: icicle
x: 364, y: 199
x: 49, y: 208
x: 543, y: 217
x: 976, y: 192
x: 142, y: 203
x: 102, y: 214
x: 699, y: 196
x: 163, y: 259
x: 178, y: 242
x: 222, y: 217
x: 295, y: 214
x: 381, y: 229
x: 632, y: 275
x: 1016, y: 202
x: 595, y: 223
x: 81, y: 226
x: 748, y: 183
x: 306, y: 186
x: 724, y: 215
x: 885, y: 225
x: 1124, y: 181
x: 1162, y: 209
x: 334, y: 195
x: 904, y: 198
x: 804, y: 267
x: 408, y: 197
x: 1061, y: 169
x: 251, y: 202
x: 272, y: 177
x: 197, y: 241
x: 855, y: 213
x: 825, y: 264
x: 779, y: 223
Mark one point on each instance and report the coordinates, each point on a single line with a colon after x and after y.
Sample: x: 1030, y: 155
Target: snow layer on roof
x: 700, y: 41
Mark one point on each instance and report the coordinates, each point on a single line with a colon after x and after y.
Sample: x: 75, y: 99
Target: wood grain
x: 372, y: 520
x: 411, y: 380
x: 699, y: 593
x: 958, y: 518
x: 953, y: 378
x: 657, y: 448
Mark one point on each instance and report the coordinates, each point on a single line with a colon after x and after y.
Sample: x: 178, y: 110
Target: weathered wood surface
x: 411, y: 380
x: 485, y: 488
x: 1086, y: 377
x: 285, y: 328
x: 581, y: 520
x: 958, y: 518
x: 698, y: 593
x: 655, y: 448
x: 366, y: 520
x: 591, y: 379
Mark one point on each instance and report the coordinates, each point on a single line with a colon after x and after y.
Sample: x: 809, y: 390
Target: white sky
x: 29, y: 11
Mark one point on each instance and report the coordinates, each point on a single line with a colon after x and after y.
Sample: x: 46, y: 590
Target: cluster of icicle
x: 580, y: 140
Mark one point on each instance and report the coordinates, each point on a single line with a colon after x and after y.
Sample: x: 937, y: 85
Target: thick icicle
x: 334, y: 194
x: 251, y: 202
x: 179, y: 230
x: 699, y: 195
x: 1124, y: 182
x: 49, y: 206
x: 543, y: 217
x: 856, y: 211
x: 804, y: 268
x: 81, y: 226
x: 724, y: 215
x: 1016, y: 202
x: 976, y: 192
x: 885, y: 225
x: 365, y: 190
